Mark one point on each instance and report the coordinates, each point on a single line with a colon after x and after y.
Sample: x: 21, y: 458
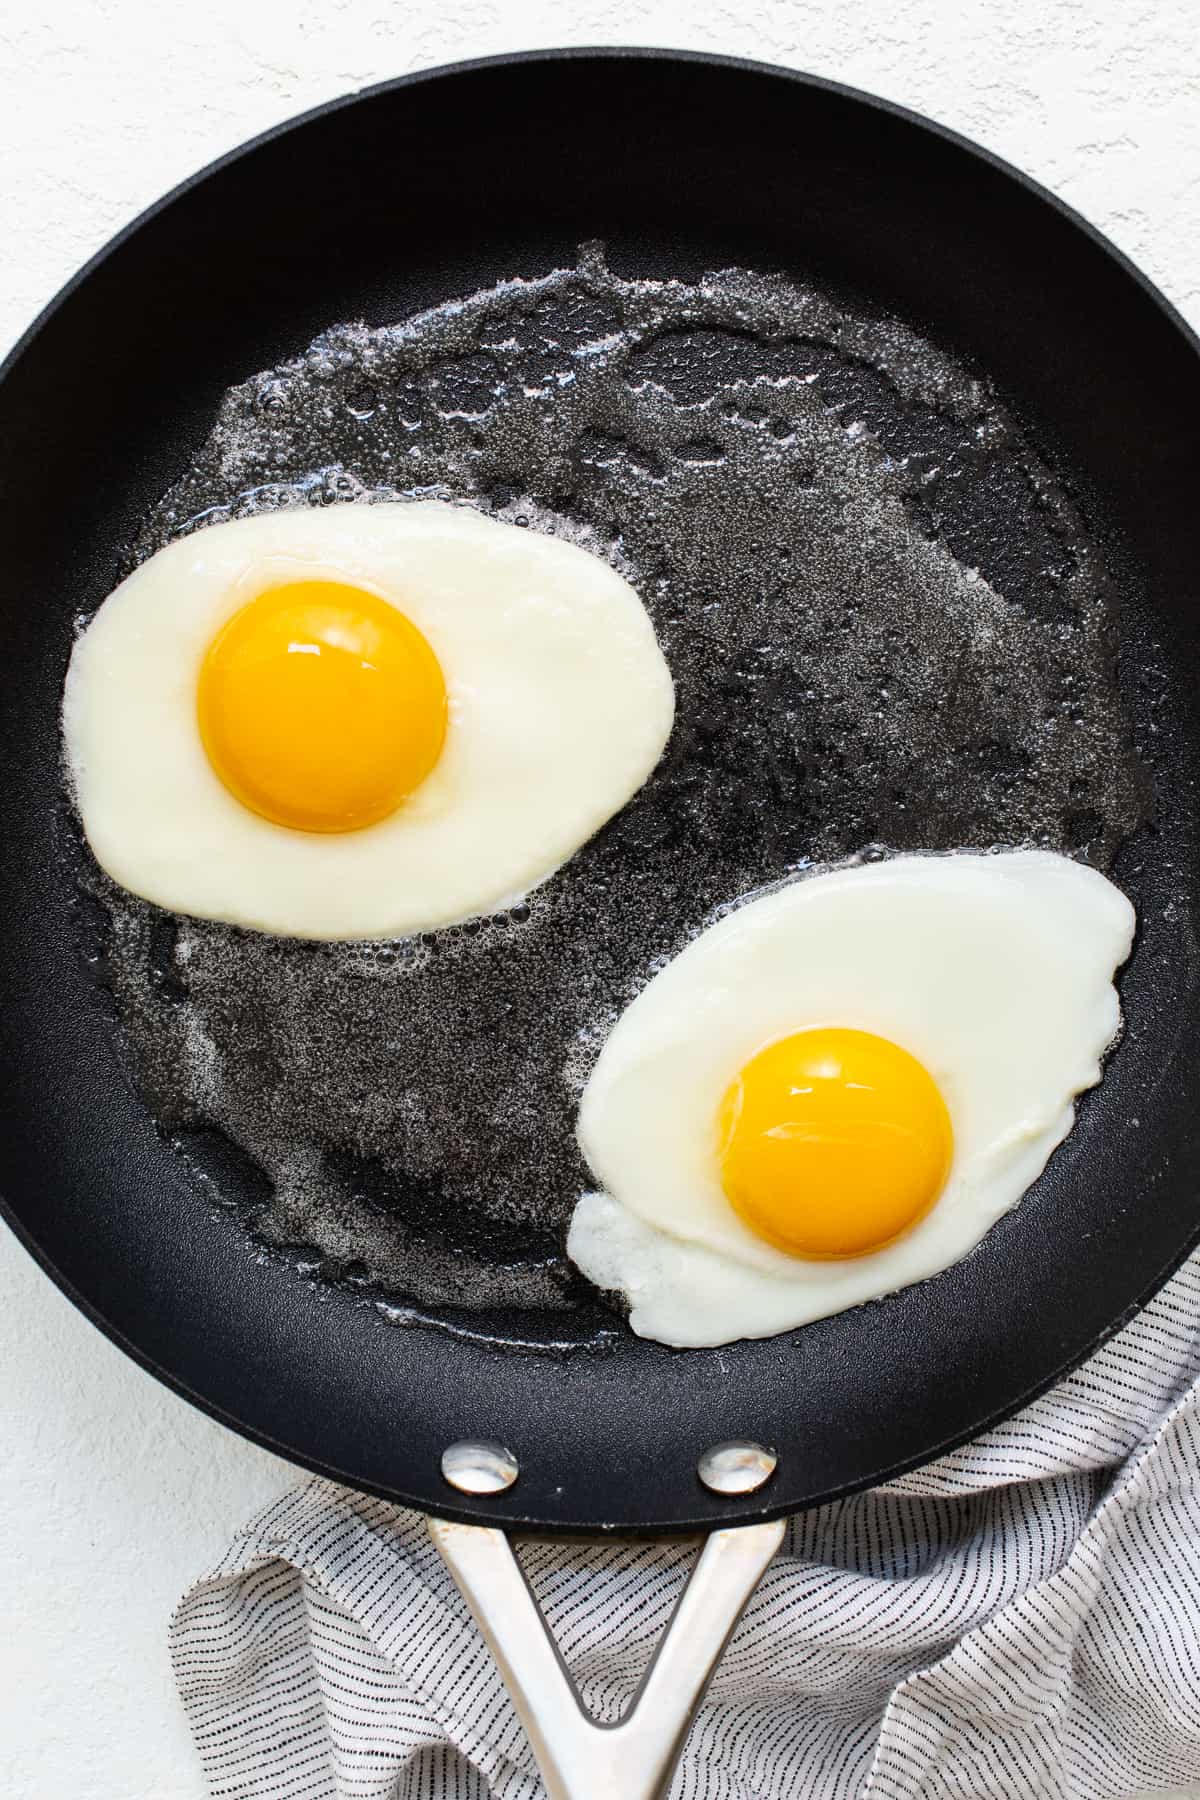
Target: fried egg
x: 837, y: 1088
x: 360, y: 721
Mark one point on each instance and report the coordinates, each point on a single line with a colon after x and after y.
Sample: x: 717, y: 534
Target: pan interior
x: 889, y: 629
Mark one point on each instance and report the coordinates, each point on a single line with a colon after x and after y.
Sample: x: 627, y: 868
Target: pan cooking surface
x: 887, y: 624
x: 943, y: 270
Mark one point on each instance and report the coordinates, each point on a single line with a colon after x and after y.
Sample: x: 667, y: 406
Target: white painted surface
x: 114, y: 1494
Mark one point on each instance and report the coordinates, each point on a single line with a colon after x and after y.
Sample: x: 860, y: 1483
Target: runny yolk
x: 321, y: 707
x: 833, y: 1143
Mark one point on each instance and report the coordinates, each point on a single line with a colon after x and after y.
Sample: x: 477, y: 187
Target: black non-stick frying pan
x: 371, y: 208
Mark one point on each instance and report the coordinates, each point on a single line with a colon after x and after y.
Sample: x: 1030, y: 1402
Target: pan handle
x: 578, y: 1758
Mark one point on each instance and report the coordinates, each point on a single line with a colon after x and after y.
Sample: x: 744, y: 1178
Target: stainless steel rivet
x: 478, y: 1466
x: 736, y: 1468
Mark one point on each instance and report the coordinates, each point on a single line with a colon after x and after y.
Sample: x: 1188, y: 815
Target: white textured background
x: 114, y: 1494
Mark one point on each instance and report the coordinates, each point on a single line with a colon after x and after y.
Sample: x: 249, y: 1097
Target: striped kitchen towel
x: 1018, y: 1619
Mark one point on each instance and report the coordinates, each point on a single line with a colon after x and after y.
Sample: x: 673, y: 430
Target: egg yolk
x: 321, y: 707
x: 833, y: 1143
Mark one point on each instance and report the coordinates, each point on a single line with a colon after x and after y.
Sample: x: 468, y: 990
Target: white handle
x: 580, y: 1759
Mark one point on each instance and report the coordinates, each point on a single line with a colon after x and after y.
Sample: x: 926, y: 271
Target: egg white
x: 994, y: 971
x: 560, y: 703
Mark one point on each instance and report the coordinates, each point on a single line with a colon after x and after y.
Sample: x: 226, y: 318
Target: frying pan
x: 374, y: 207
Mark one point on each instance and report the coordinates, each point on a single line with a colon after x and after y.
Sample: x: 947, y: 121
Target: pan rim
x: 606, y: 53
